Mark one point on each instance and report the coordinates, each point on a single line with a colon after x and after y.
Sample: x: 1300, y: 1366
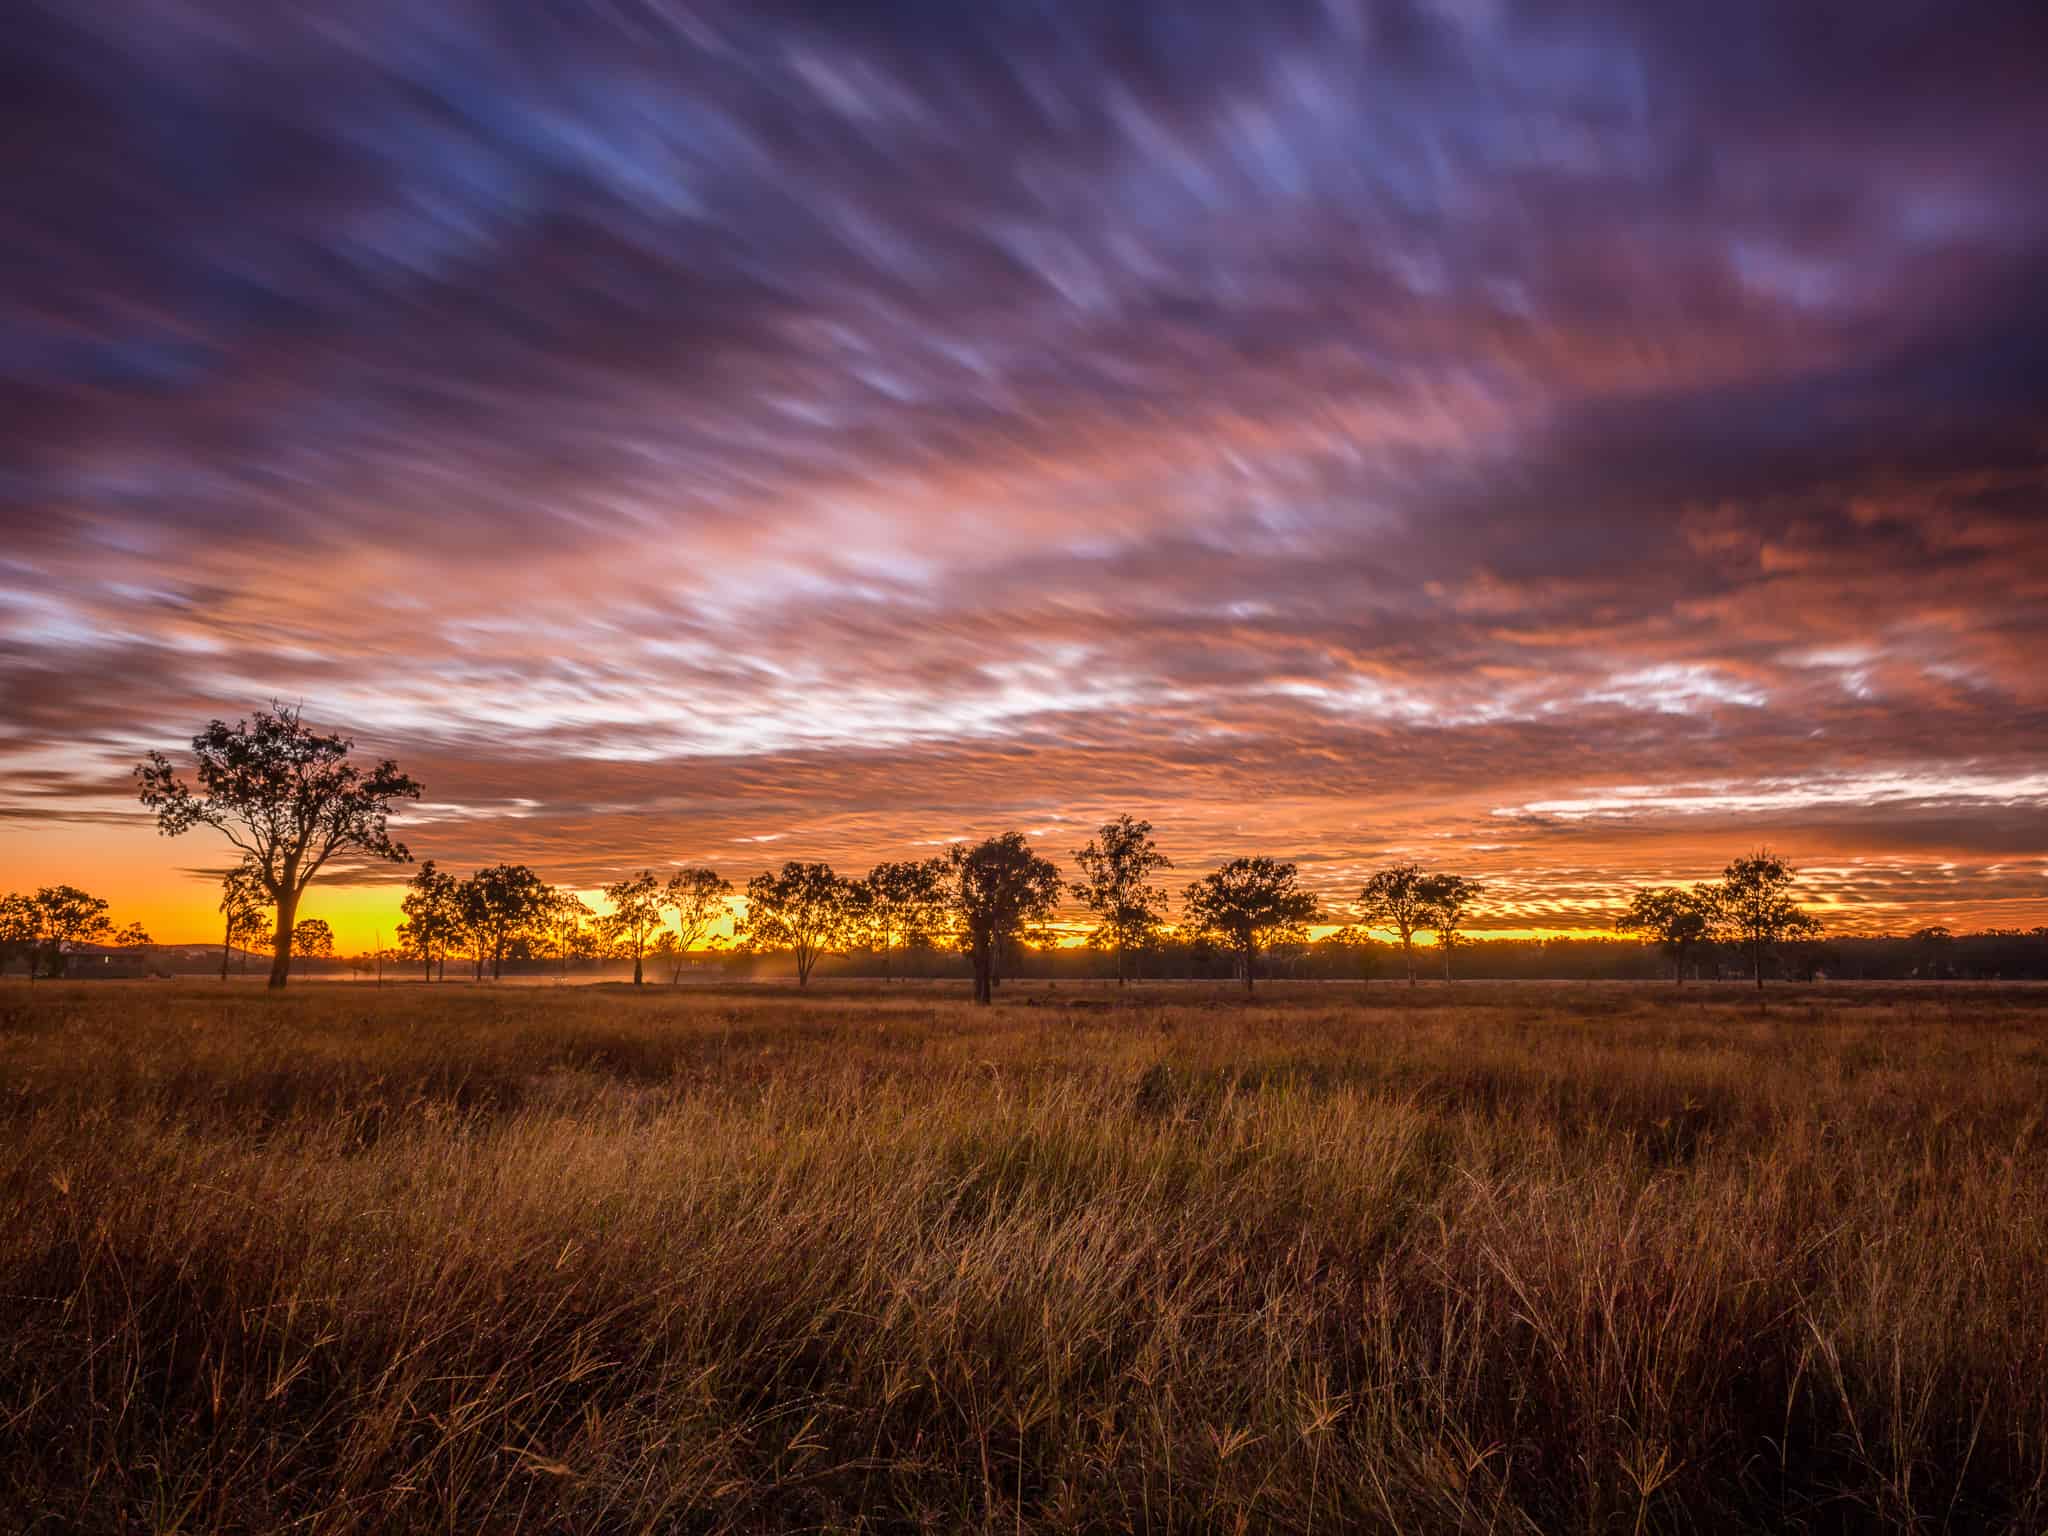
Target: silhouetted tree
x: 288, y: 798
x: 999, y: 889
x: 1679, y: 920
x: 1395, y: 898
x: 635, y: 916
x: 903, y: 903
x: 241, y: 909
x: 312, y: 938
x: 1251, y: 904
x: 567, y: 914
x: 1447, y: 897
x: 20, y: 930
x: 499, y: 903
x: 1754, y: 900
x: 433, y: 917
x: 64, y: 915
x: 698, y: 899
x: 804, y: 908
x: 1115, y: 866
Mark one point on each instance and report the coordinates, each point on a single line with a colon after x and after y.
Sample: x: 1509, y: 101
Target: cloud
x: 1319, y: 426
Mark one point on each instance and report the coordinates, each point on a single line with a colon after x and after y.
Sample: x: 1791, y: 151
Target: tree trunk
x: 636, y: 968
x: 1756, y: 960
x: 227, y: 942
x: 497, y: 962
x: 984, y: 976
x: 281, y: 941
x: 1408, y: 954
x: 1251, y: 961
x: 429, y: 963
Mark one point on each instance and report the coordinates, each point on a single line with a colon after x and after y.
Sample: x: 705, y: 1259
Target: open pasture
x: 1546, y: 1258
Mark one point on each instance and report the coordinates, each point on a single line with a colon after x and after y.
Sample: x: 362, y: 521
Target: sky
x: 1571, y: 444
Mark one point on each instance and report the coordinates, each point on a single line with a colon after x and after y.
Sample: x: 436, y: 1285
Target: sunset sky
x: 1569, y: 444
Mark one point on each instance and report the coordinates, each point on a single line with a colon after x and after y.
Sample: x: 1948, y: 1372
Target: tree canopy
x: 904, y: 904
x: 1445, y: 897
x: 1249, y: 905
x: 1754, y: 902
x: 803, y: 908
x: 1116, y: 865
x: 698, y: 897
x: 999, y: 889
x: 288, y: 797
x: 634, y: 918
x: 312, y: 938
x: 1398, y: 898
x: 1679, y: 920
x: 500, y: 903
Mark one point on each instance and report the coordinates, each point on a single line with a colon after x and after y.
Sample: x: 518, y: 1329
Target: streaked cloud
x: 1575, y: 444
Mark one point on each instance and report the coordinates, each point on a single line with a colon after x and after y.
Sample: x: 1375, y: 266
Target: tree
x: 1447, y: 897
x: 1395, y: 898
x: 498, y: 904
x: 131, y: 936
x: 634, y: 917
x: 433, y: 917
x: 805, y: 908
x: 1678, y: 920
x: 64, y: 915
x: 288, y: 798
x: 241, y: 909
x: 1754, y: 900
x: 1251, y: 904
x: 999, y: 889
x: 567, y: 914
x: 905, y: 904
x: 312, y: 938
x: 698, y: 899
x: 20, y: 930
x: 1115, y: 865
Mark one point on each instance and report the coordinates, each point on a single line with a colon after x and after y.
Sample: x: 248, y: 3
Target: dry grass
x: 1501, y: 1259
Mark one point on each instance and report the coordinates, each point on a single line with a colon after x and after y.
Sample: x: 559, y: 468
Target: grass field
x: 581, y: 1260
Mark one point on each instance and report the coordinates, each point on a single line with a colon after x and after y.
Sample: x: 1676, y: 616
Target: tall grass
x: 1541, y: 1259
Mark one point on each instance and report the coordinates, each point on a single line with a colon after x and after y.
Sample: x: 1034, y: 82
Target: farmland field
x: 1503, y: 1258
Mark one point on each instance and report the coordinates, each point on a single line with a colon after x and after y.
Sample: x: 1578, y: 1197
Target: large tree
x: 1395, y: 898
x: 241, y: 909
x: 288, y: 797
x: 1000, y: 889
x: 1249, y: 905
x: 698, y: 899
x: 1115, y: 867
x: 1679, y: 920
x: 433, y: 917
x: 501, y: 903
x: 312, y: 938
x: 635, y: 917
x: 904, y: 904
x: 803, y: 908
x: 1447, y: 897
x: 1754, y: 900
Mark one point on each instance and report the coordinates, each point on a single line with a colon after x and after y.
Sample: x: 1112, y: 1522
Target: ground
x: 1557, y: 1258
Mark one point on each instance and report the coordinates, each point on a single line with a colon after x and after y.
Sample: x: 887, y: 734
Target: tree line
x: 292, y: 800
x: 45, y: 926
